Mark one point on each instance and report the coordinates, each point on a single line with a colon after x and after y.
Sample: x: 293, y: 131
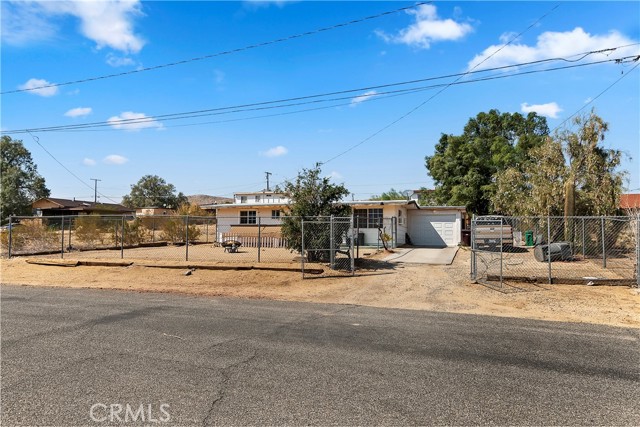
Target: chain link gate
x: 569, y: 250
x: 327, y: 242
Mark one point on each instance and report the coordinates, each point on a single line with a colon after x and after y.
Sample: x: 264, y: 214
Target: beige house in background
x: 154, y: 211
x: 260, y: 212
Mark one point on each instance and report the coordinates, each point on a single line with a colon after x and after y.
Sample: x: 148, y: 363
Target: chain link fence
x: 328, y: 242
x: 176, y: 238
x: 569, y: 250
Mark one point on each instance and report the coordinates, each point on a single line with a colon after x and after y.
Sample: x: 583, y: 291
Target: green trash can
x: 528, y: 238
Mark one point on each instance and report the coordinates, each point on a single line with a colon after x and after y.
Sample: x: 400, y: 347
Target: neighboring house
x: 436, y: 226
x: 630, y: 201
x: 154, y: 211
x: 50, y: 206
x: 423, y: 193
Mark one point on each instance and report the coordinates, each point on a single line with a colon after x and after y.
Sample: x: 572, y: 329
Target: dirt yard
x: 377, y: 284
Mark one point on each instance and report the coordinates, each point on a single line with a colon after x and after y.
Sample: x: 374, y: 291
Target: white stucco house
x: 405, y: 220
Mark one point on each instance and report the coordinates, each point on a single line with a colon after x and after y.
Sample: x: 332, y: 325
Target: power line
x: 310, y: 99
x: 413, y: 110
x: 37, y: 141
x: 599, y: 95
x: 227, y: 52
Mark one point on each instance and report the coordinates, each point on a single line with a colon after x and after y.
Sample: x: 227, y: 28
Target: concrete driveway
x: 420, y: 255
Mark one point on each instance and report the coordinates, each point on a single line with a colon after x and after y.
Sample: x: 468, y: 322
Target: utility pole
x: 268, y: 174
x: 95, y: 189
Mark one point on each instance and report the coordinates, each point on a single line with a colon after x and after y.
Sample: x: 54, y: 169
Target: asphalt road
x: 68, y: 355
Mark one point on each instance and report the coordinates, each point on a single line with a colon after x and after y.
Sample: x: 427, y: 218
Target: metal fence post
x: 186, y: 238
x: 638, y: 250
x: 62, y: 239
x: 549, y: 247
x: 501, y: 249
x: 10, y: 234
x: 70, y: 225
x: 302, y: 249
x: 353, y: 262
x: 357, y: 236
x: 259, y: 236
x: 474, y: 266
x: 604, y: 249
x: 583, y: 240
x: 122, y: 239
x: 332, y: 254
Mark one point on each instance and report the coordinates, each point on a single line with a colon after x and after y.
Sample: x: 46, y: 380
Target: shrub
x: 90, y: 229
x: 174, y: 229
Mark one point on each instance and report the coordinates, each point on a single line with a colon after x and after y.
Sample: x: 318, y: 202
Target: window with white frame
x: 367, y: 218
x: 257, y: 198
x: 275, y: 214
x: 248, y: 217
x: 243, y: 199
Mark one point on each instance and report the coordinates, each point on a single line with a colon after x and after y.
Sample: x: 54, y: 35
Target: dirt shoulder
x: 376, y: 284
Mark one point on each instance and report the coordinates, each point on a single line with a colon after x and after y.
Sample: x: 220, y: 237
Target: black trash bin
x: 466, y: 237
x: 560, y: 251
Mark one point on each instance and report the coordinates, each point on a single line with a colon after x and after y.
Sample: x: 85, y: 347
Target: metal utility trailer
x: 490, y: 233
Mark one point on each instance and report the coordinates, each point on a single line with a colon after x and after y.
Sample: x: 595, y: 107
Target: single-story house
x: 436, y: 226
x: 630, y: 201
x: 50, y: 206
x: 154, y: 211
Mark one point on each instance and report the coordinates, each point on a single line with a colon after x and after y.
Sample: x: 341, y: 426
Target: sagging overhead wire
x: 36, y: 139
x: 321, y: 98
x: 226, y: 52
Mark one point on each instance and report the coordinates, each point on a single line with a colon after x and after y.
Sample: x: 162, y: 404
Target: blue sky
x: 368, y: 141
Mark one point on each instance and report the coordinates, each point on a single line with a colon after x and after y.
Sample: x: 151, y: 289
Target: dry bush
x: 31, y: 234
x: 173, y: 230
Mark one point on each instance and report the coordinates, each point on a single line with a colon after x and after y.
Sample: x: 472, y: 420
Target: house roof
x: 628, y: 201
x: 412, y: 204
x: 80, y: 205
x: 259, y: 193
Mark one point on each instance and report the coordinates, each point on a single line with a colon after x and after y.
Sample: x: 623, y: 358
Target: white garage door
x: 432, y: 230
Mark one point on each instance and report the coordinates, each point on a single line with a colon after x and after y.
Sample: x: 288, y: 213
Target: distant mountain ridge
x: 204, y: 199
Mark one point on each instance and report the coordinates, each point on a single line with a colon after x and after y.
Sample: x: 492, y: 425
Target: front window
x: 275, y: 214
x: 367, y: 218
x: 247, y: 217
x: 257, y: 199
x: 243, y: 199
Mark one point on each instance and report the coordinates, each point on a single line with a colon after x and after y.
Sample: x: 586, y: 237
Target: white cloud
x: 427, y: 29
x: 38, y: 83
x: 550, y: 109
x: 552, y: 44
x: 275, y: 151
x: 257, y: 4
x: 335, y: 176
x: 78, y: 112
x: 218, y: 76
x: 119, y: 61
x: 108, y: 23
x: 22, y: 23
x: 115, y: 159
x: 362, y: 98
x: 88, y: 162
x: 131, y: 121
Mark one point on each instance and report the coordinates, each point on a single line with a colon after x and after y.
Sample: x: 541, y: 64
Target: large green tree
x: 21, y: 182
x: 392, y: 194
x: 464, y: 166
x: 151, y: 190
x: 312, y: 196
x: 570, y: 174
